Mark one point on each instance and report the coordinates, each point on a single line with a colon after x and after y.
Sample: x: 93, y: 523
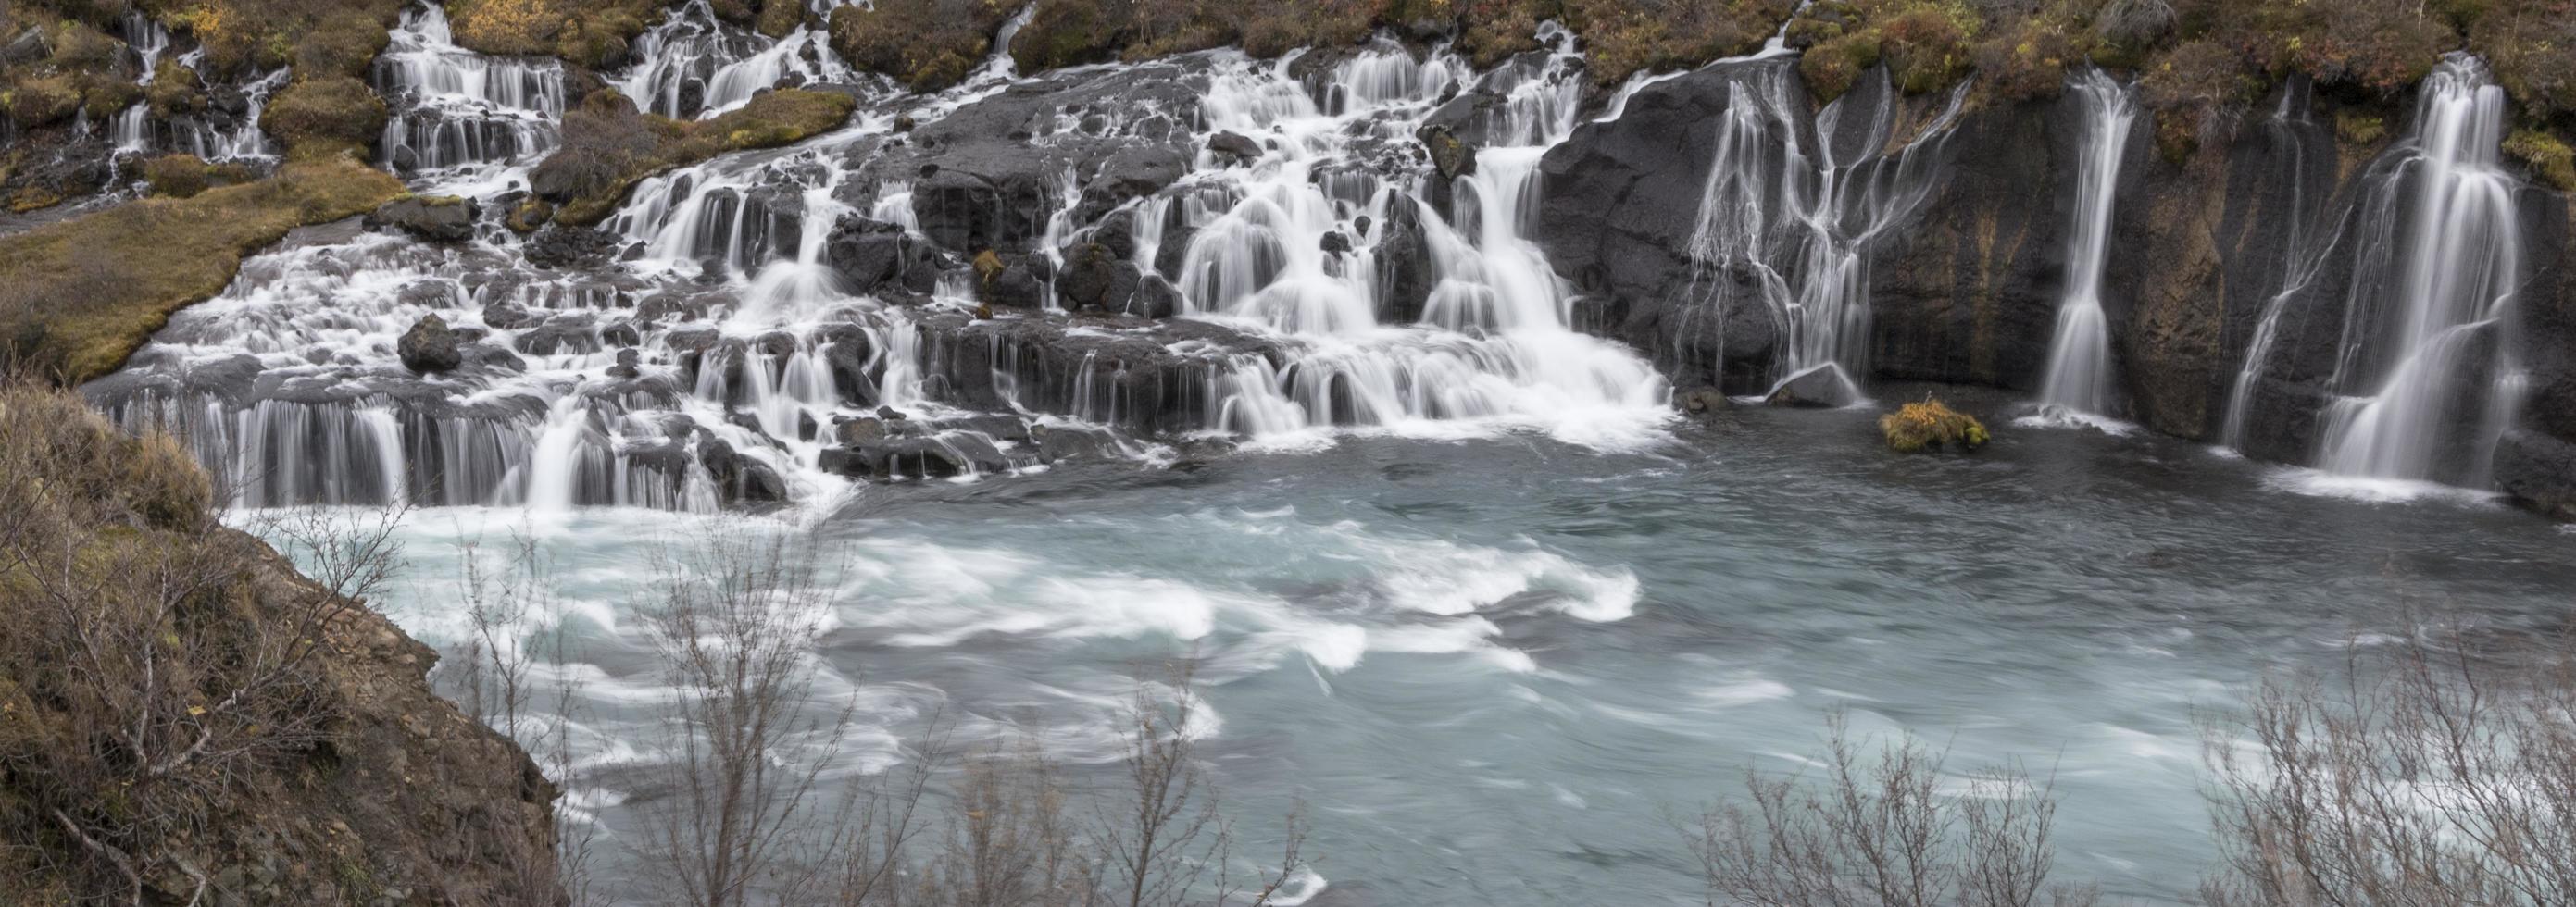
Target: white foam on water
x: 2372, y: 490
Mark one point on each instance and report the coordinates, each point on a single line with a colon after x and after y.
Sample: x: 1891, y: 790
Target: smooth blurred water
x: 1493, y: 668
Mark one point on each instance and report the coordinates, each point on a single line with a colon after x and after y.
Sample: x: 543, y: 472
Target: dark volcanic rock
x: 559, y: 246
x: 2539, y: 471
x: 429, y: 347
x: 987, y: 176
x: 1233, y: 148
x: 1452, y: 156
x: 871, y: 255
x: 436, y: 219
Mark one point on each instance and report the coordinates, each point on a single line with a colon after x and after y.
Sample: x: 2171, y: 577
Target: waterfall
x: 1492, y: 343
x: 714, y: 358
x: 2079, y: 380
x: 1797, y: 221
x: 454, y: 108
x: 2424, y: 368
x: 2290, y: 126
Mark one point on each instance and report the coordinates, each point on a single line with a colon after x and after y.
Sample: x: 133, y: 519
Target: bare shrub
x: 497, y: 674
x: 745, y: 733
x: 1883, y: 835
x: 2425, y: 774
x: 148, y: 666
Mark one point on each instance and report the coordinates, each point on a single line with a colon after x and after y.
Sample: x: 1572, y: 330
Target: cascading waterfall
x: 2079, y: 381
x: 1493, y: 341
x: 2426, y: 346
x: 455, y: 107
x: 751, y: 352
x: 1795, y: 222
x: 2304, y: 258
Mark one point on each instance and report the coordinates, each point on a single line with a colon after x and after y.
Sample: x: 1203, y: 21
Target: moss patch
x: 608, y: 146
x: 321, y: 118
x: 925, y: 44
x: 2548, y: 156
x: 592, y: 33
x: 1931, y: 425
x: 185, y: 175
x: 76, y: 298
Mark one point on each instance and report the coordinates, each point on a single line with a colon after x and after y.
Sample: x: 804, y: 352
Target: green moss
x: 925, y: 44
x: 42, y: 101
x: 185, y: 175
x: 175, y: 90
x: 1066, y: 33
x: 1931, y: 425
x: 1833, y: 67
x: 608, y: 146
x: 325, y: 117
x: 76, y: 298
x: 2548, y: 156
x: 779, y: 17
x: 2356, y: 127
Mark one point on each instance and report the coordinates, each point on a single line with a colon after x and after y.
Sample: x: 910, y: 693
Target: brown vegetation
x: 183, y: 719
x: 2438, y: 771
x: 924, y: 44
x: 585, y: 32
x: 608, y: 145
x: 76, y: 299
x: 1884, y: 835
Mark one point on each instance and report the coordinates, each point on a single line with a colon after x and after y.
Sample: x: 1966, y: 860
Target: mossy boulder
x: 41, y: 101
x: 1067, y: 33
x: 608, y: 145
x: 926, y: 45
x: 320, y: 118
x: 185, y: 175
x: 1931, y: 425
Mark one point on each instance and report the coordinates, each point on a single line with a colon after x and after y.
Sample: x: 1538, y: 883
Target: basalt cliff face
x: 704, y: 255
x: 2240, y: 285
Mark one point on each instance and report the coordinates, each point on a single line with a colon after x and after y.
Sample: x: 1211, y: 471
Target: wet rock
x: 443, y: 219
x: 1233, y: 148
x: 740, y: 480
x: 1703, y: 400
x: 621, y: 334
x: 627, y: 365
x: 1094, y: 277
x: 1821, y: 387
x: 1406, y: 270
x: 1019, y: 284
x: 2539, y: 471
x: 859, y: 432
x: 507, y: 316
x: 1154, y: 298
x: 870, y: 255
x: 570, y: 332
x: 1132, y: 173
x: 559, y: 246
x: 429, y: 347
x: 917, y: 458
x: 1336, y: 244
x: 1452, y: 156
x: 1061, y: 442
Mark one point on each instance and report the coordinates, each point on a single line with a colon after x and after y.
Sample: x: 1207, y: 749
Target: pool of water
x: 1495, y: 670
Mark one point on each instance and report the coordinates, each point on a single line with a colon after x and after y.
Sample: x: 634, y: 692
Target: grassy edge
x: 78, y: 297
